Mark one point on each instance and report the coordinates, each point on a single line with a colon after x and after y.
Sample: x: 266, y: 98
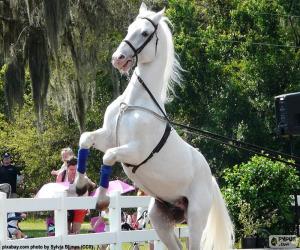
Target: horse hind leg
x: 163, y: 223
x: 98, y: 139
x: 197, y: 214
x: 219, y: 234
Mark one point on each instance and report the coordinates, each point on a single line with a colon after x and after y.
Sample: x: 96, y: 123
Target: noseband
x: 139, y: 49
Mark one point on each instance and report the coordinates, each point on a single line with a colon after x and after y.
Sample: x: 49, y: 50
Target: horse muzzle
x: 121, y: 62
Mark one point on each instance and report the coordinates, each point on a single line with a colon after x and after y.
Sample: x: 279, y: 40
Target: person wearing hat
x: 10, y: 174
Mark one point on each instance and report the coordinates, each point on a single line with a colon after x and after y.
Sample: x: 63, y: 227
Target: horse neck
x: 153, y: 76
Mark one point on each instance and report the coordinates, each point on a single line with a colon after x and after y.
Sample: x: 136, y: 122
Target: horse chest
x: 141, y: 128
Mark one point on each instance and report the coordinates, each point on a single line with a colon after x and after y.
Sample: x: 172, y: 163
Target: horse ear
x: 143, y: 8
x: 157, y: 16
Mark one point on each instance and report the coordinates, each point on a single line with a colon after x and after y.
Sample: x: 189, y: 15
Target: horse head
x: 141, y: 42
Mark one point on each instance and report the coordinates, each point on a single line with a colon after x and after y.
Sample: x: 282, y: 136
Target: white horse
x: 175, y: 174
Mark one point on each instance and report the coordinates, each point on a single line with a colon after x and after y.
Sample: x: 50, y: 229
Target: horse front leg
x: 123, y: 153
x: 100, y: 140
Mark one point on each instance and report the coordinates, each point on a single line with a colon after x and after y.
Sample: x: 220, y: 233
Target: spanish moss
x: 70, y: 37
x: 12, y: 15
x: 56, y: 14
x: 36, y: 47
x: 29, y: 8
x: 14, y: 82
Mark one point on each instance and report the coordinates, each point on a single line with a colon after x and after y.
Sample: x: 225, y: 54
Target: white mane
x: 172, y: 74
x: 173, y: 69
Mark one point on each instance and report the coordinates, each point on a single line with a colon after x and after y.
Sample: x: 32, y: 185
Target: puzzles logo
x: 283, y: 241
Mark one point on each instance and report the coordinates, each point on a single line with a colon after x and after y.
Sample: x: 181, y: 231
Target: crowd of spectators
x: 11, y: 177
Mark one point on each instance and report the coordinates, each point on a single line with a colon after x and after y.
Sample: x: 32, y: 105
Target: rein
x: 152, y: 97
x: 149, y: 38
x: 268, y: 153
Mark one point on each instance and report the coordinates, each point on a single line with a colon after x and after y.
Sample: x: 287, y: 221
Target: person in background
x: 66, y: 154
x: 61, y: 176
x: 50, y: 226
x: 142, y: 217
x: 97, y: 224
x: 10, y: 174
x: 13, y: 228
x: 75, y: 217
x: 100, y: 223
x: 5, y: 188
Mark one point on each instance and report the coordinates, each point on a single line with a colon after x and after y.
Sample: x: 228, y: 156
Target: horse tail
x: 218, y: 233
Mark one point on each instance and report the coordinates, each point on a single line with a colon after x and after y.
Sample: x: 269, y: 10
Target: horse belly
x: 169, y: 173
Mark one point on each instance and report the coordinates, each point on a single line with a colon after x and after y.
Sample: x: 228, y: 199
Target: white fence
x: 62, y: 240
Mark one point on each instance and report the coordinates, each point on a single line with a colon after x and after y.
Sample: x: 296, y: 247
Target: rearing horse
x: 136, y: 132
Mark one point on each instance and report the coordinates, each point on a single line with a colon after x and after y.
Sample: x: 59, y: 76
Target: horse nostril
x: 121, y: 57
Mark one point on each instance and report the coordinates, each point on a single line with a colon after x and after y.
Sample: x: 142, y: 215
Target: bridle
x: 149, y: 38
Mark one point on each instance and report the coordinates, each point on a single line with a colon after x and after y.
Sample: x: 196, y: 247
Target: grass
x: 37, y: 228
x: 33, y: 228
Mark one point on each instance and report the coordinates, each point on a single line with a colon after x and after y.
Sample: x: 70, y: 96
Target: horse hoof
x: 83, y: 184
x: 81, y: 191
x: 102, y: 205
x: 92, y: 187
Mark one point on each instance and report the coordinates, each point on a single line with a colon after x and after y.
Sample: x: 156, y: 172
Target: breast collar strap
x: 154, y: 151
x: 149, y: 38
x: 165, y: 136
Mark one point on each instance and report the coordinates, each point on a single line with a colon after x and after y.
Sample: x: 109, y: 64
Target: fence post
x: 158, y: 245
x: 60, y: 218
x: 115, y: 220
x: 3, y: 218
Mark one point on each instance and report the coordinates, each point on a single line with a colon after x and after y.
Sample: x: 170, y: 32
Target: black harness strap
x: 132, y: 47
x: 155, y: 150
x: 168, y: 126
x: 165, y: 136
x: 152, y: 97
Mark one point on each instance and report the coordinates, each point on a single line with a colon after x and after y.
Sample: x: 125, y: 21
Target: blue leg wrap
x: 83, y: 154
x: 105, y: 174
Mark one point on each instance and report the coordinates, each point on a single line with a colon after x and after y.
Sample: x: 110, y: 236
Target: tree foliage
x: 35, y: 152
x: 52, y: 34
x: 266, y: 187
x: 237, y: 56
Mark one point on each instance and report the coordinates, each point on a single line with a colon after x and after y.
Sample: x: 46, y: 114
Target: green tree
x: 259, y: 192
x: 237, y: 56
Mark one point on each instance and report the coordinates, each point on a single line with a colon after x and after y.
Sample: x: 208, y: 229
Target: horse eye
x: 145, y: 33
